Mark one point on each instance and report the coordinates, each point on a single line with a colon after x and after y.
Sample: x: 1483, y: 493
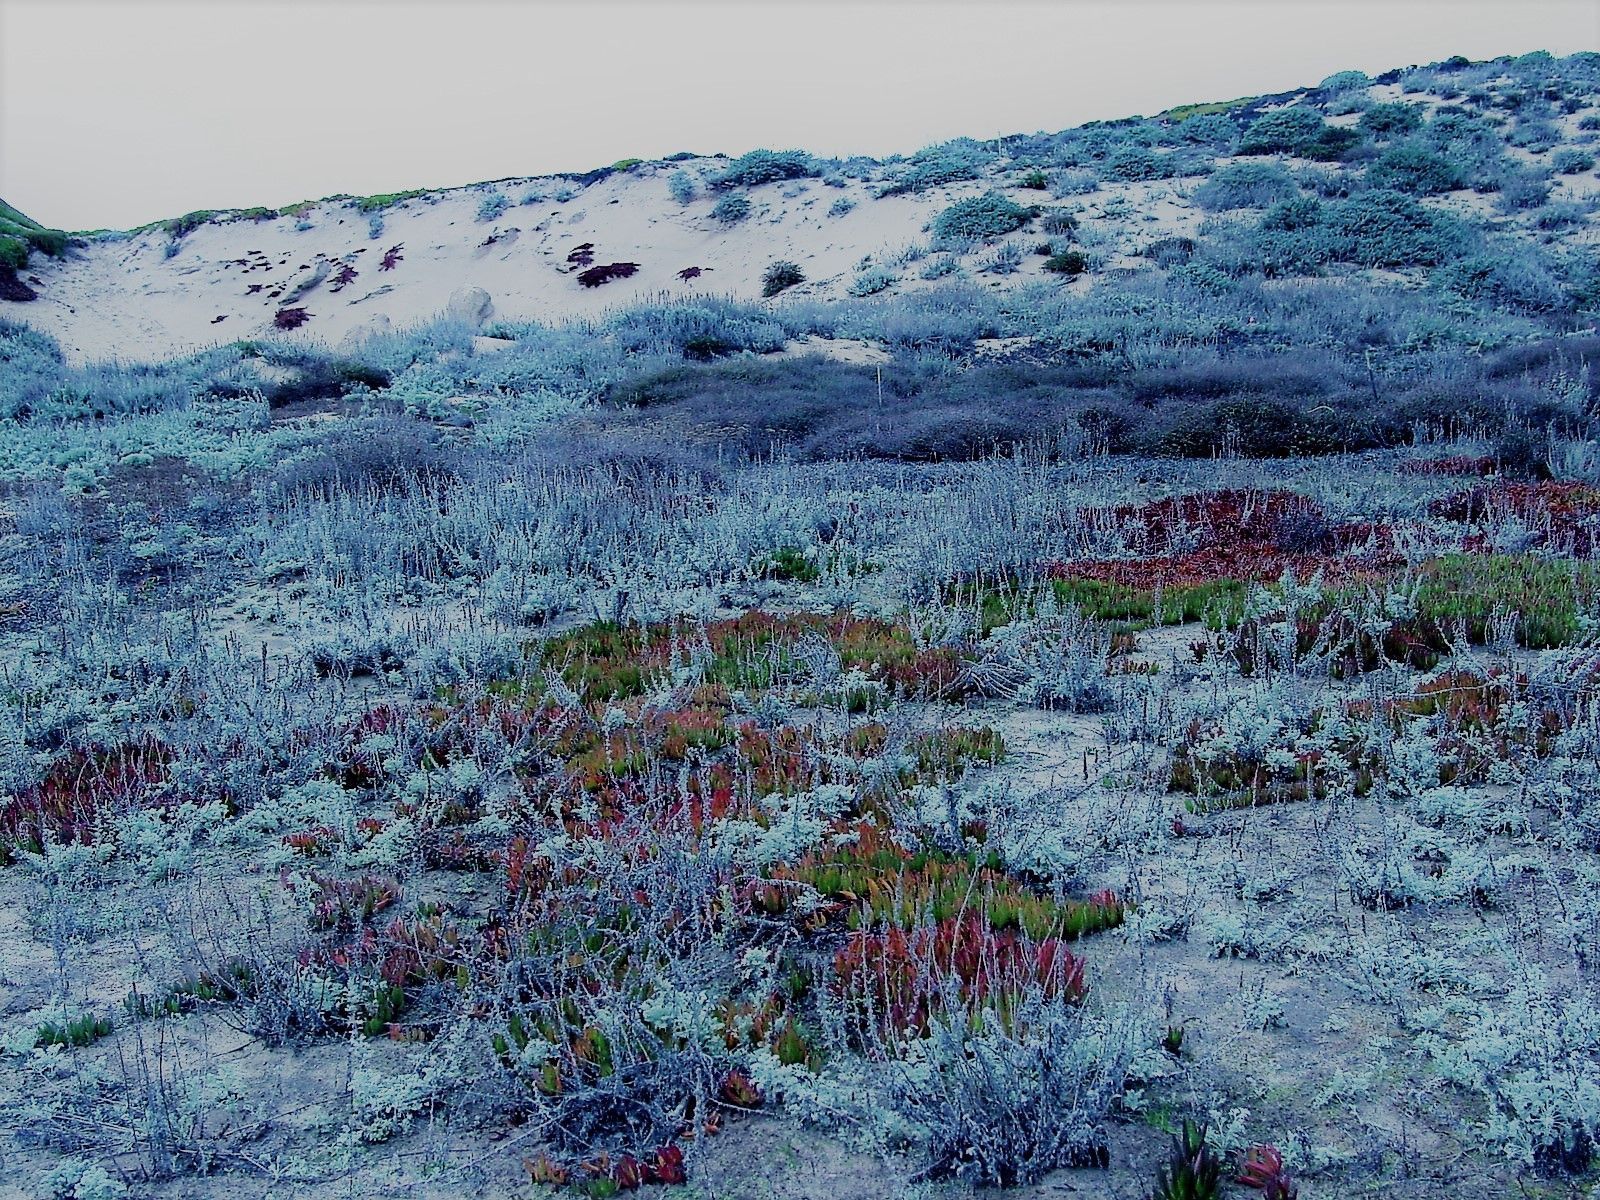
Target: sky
x: 118, y: 112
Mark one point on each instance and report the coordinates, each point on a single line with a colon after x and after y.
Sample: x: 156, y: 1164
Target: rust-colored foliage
x: 1189, y: 541
x: 596, y: 276
x: 343, y: 277
x: 81, y: 791
x: 1263, y: 1169
x: 896, y: 981
x: 1559, y: 516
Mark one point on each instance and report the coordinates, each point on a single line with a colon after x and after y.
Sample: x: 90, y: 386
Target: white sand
x: 126, y: 299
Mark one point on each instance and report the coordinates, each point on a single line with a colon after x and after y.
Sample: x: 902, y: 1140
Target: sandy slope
x: 125, y: 298
x: 122, y: 296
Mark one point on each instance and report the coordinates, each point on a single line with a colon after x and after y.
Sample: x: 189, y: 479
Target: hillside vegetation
x: 1066, y: 664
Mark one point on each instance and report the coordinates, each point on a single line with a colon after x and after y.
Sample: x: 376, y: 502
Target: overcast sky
x: 117, y: 113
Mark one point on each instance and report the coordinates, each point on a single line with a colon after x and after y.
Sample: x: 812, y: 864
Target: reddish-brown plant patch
x: 596, y: 276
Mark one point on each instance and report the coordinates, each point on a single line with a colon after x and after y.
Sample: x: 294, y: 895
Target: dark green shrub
x: 1523, y: 453
x: 1132, y: 164
x: 383, y: 200
x: 179, y: 228
x: 780, y: 276
x: 1067, y: 262
x: 1332, y: 144
x: 1285, y: 131
x: 1246, y: 185
x: 1035, y: 180
x: 732, y: 208
x: 1374, y: 229
x: 1300, y: 212
x: 1391, y: 120
x: 1504, y: 280
x: 789, y: 563
x: 765, y: 166
x: 1170, y: 251
x: 988, y: 216
x: 1415, y: 169
x: 13, y: 252
x: 1256, y: 426
x: 14, y: 224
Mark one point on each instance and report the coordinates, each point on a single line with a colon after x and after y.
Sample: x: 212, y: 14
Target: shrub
x: 1345, y: 81
x: 1035, y: 180
x: 1058, y: 222
x: 1391, y: 120
x: 377, y: 452
x: 1571, y: 161
x: 1563, y: 215
x: 1006, y: 260
x: 1333, y: 144
x: 1416, y: 169
x: 13, y: 252
x: 1256, y: 426
x: 492, y: 206
x: 988, y: 216
x: 310, y: 376
x: 1170, y: 251
x: 1534, y: 134
x: 841, y: 206
x: 290, y: 318
x: 1520, y: 189
x: 701, y: 329
x: 765, y: 166
x: 1284, y: 131
x: 15, y: 224
x: 1078, y: 182
x: 1066, y: 262
x: 682, y: 186
x: 1246, y: 185
x: 732, y: 208
x: 933, y: 166
x: 1374, y: 229
x: 179, y: 228
x: 1504, y: 280
x: 372, y: 204
x: 872, y: 281
x: 1132, y: 164
x: 1012, y: 1098
x: 780, y: 276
